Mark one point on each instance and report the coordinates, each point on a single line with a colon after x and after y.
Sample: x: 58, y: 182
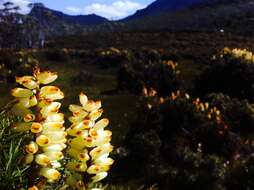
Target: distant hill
x: 58, y: 23
x: 169, y: 6
x: 160, y: 6
x: 171, y: 15
x: 39, y: 11
x: 205, y: 15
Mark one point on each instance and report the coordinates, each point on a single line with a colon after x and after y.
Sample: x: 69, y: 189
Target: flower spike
x: 43, y: 122
x: 89, y: 145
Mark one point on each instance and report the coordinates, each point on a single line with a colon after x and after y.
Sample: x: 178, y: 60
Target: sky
x: 111, y: 9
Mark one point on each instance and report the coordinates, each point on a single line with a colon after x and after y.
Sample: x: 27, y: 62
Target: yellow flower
x: 36, y: 127
x: 45, y: 77
x: 32, y: 148
x: 42, y: 160
x: 28, y: 82
x: 29, y: 158
x: 50, y: 174
x: 21, y: 93
x: 51, y: 93
x: 77, y: 166
x: 101, y: 124
x: 44, y: 121
x: 100, y: 176
x: 21, y: 127
x: 42, y: 140
x: 33, y: 188
x: 50, y: 108
x: 54, y: 147
x: 29, y: 117
x: 90, y: 144
x: 55, y: 117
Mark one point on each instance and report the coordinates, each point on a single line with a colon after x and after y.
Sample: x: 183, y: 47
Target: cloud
x: 116, y: 10
x: 73, y: 10
x: 23, y: 4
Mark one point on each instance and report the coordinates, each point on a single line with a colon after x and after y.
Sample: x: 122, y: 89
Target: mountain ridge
x: 211, y: 15
x: 39, y: 11
x: 162, y: 6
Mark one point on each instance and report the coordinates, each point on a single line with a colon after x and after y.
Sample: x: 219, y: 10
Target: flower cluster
x: 172, y: 65
x: 211, y: 111
x: 89, y: 146
x: 244, y: 54
x: 111, y: 51
x: 36, y: 104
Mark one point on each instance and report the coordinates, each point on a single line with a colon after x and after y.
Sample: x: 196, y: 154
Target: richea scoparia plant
x: 77, y: 155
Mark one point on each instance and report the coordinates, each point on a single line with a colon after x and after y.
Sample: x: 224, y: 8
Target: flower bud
x: 91, y: 105
x: 52, y: 107
x: 27, y: 81
x: 29, y: 158
x: 42, y: 140
x: 29, y: 117
x: 94, y: 169
x: 56, y: 136
x: 77, y: 166
x: 78, y: 154
x: 25, y: 102
x: 53, y: 156
x: 36, y: 127
x: 21, y: 127
x: 42, y: 160
x: 75, y: 108
x: 51, y: 93
x: 46, y: 77
x: 101, y: 124
x: 50, y: 174
x: 99, y: 176
x: 33, y: 188
x: 32, y: 148
x: 55, y: 164
x: 55, y: 117
x: 99, y: 151
x: 54, y: 147
x: 77, y: 133
x: 21, y: 93
x: 33, y: 101
x: 52, y: 126
x: 77, y: 143
x: 104, y: 160
x: 83, y: 99
x: 19, y: 110
x: 94, y: 115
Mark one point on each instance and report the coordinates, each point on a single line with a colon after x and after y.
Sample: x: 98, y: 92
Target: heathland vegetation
x: 178, y: 109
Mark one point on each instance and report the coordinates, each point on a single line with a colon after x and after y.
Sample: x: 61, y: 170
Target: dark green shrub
x: 239, y: 114
x: 242, y: 171
x: 83, y: 77
x: 179, y: 143
x: 148, y: 71
x: 15, y: 63
x: 232, y: 74
x: 57, y: 55
x: 110, y: 58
